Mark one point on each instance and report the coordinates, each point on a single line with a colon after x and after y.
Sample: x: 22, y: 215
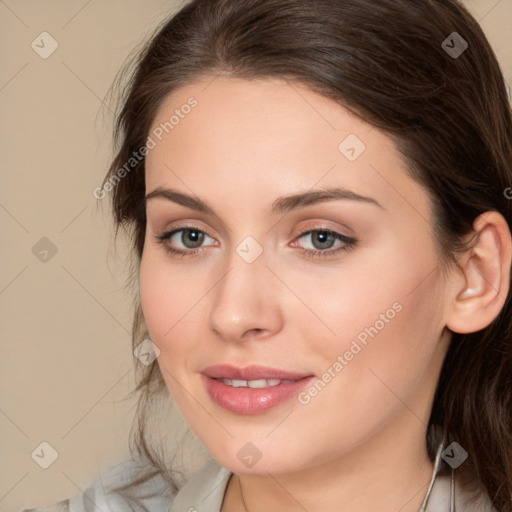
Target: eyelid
x: 187, y: 224
x: 322, y: 226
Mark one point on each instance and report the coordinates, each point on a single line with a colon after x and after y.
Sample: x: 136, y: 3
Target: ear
x: 480, y: 290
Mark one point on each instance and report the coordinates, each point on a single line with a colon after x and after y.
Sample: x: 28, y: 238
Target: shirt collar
x: 204, y: 491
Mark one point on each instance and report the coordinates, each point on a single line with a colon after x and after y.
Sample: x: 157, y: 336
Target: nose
x: 245, y: 303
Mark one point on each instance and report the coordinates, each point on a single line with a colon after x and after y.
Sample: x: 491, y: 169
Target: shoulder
x: 117, y: 489
x: 121, y: 488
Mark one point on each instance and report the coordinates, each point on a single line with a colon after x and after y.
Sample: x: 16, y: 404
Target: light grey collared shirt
x: 204, y: 492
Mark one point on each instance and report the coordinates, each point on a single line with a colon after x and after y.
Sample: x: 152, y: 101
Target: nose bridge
x: 244, y: 300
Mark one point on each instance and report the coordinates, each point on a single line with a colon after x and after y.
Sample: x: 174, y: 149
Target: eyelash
x: 349, y: 242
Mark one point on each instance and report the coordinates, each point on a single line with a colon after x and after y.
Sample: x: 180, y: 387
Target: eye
x: 189, y: 237
x: 323, y: 241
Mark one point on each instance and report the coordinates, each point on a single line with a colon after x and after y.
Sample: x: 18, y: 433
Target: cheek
x: 372, y: 367
x: 381, y: 318
x: 172, y: 308
x: 170, y: 299
x: 371, y: 295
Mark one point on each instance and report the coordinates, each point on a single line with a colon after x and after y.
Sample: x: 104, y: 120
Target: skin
x: 359, y: 444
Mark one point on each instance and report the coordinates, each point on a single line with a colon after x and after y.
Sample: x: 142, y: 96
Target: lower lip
x: 252, y: 400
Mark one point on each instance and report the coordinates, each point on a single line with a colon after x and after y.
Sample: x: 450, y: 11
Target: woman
x: 318, y: 198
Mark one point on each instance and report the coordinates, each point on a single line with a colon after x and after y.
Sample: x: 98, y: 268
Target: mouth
x: 254, y: 389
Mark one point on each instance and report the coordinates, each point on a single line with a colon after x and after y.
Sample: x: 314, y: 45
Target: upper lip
x: 254, y: 372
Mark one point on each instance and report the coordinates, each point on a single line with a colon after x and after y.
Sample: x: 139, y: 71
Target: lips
x: 254, y: 372
x: 253, y: 389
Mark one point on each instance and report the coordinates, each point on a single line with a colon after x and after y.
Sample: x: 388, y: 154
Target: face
x: 339, y: 289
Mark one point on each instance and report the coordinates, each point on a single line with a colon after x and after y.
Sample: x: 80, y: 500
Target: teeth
x: 263, y: 383
x: 260, y: 383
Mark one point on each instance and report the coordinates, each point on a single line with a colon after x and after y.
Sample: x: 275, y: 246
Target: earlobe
x: 480, y: 294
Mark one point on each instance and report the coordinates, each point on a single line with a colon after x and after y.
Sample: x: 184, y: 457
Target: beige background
x: 66, y: 362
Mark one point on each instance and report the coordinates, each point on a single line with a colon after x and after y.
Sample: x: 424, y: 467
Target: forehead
x: 263, y: 108
x: 268, y: 137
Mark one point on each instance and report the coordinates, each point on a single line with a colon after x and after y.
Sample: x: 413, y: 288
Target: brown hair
x: 448, y: 115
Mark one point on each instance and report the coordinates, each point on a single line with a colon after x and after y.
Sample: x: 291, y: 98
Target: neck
x: 385, y: 474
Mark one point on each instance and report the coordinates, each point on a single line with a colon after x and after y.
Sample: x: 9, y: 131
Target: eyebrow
x: 279, y: 206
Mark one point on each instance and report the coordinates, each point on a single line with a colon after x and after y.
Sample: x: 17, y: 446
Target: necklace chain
x: 242, y: 494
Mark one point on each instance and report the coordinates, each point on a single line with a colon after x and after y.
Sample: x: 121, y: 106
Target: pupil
x: 192, y: 235
x: 325, y: 239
